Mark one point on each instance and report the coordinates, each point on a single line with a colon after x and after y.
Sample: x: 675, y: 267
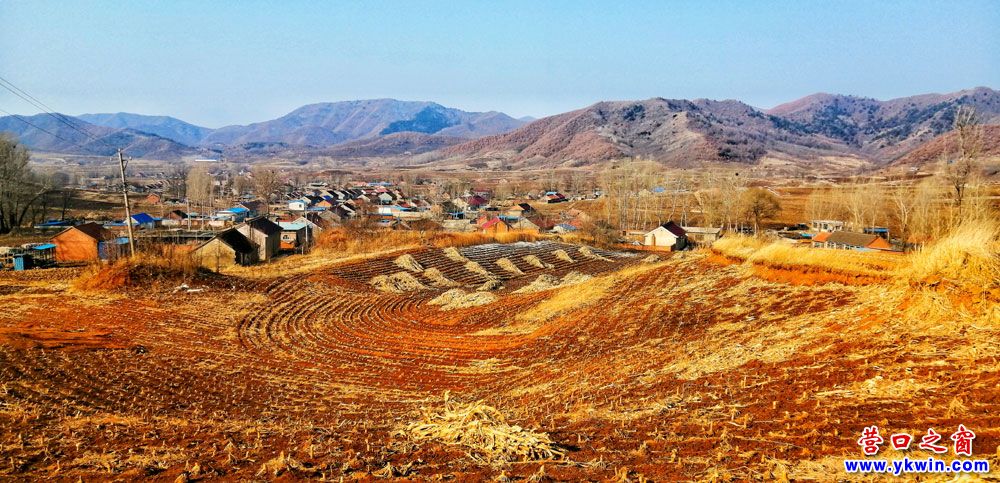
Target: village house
x: 226, y: 249
x: 826, y: 225
x: 144, y: 221
x: 519, y: 210
x: 254, y: 207
x: 81, y: 243
x: 495, y: 225
x: 263, y: 234
x: 554, y: 197
x: 523, y: 224
x: 294, y: 234
x: 174, y: 218
x: 699, y: 235
x: 154, y: 198
x: 476, y: 202
x: 298, y: 204
x: 668, y: 234
x: 845, y: 240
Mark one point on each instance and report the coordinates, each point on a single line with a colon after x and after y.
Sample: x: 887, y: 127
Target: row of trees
x: 918, y: 210
x: 639, y: 194
x: 200, y: 186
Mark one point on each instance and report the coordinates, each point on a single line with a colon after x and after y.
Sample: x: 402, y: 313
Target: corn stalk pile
x: 483, y: 430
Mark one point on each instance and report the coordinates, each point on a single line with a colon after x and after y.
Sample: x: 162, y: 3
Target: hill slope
x: 885, y: 129
x: 327, y: 124
x: 682, y: 133
x: 51, y: 135
x: 163, y: 126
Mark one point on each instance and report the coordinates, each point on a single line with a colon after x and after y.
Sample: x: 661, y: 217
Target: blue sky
x: 216, y: 63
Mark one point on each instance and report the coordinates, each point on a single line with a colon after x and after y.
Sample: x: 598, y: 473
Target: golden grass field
x: 747, y: 361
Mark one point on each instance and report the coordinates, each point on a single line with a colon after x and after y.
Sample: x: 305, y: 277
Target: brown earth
x: 685, y: 369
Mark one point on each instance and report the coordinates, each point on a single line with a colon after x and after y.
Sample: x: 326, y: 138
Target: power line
x: 6, y: 84
x: 40, y: 129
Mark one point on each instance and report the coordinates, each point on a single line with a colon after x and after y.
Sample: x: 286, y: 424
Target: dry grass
x: 536, y: 262
x: 352, y: 242
x: 782, y: 255
x: 407, y: 262
x: 969, y: 257
x: 509, y: 266
x: 438, y: 279
x: 457, y: 298
x: 143, y: 270
x: 483, y: 430
x: 454, y: 255
x: 562, y: 255
x: 400, y: 282
x: 587, y: 252
x: 546, y: 282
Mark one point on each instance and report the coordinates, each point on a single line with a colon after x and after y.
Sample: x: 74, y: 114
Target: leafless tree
x: 20, y: 188
x: 177, y: 180
x: 962, y: 165
x: 199, y: 186
x: 759, y: 204
x: 266, y: 183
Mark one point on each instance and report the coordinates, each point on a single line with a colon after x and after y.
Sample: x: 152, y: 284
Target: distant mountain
x: 884, y: 130
x: 815, y: 129
x: 57, y: 137
x: 163, y: 126
x: 327, y: 124
x: 674, y: 131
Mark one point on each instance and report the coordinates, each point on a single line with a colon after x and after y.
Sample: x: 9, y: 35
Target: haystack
x: 573, y: 278
x: 438, y: 279
x: 483, y: 431
x: 489, y: 285
x: 407, y: 262
x: 454, y: 255
x: 587, y: 252
x: 399, y: 282
x: 508, y: 265
x: 475, y: 267
x: 457, y: 298
x: 536, y: 262
x: 562, y: 255
x: 543, y: 282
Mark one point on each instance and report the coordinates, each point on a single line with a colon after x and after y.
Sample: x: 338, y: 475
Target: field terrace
x: 689, y: 367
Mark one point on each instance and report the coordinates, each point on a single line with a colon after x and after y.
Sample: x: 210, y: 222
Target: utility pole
x: 128, y: 210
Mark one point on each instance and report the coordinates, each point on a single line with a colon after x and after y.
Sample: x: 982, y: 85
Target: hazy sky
x: 216, y: 63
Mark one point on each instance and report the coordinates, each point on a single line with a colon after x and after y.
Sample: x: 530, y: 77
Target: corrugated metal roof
x: 292, y: 225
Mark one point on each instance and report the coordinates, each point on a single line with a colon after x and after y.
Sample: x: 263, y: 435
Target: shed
x: 226, y: 249
x: 80, y: 243
x: 294, y: 234
x: 702, y: 235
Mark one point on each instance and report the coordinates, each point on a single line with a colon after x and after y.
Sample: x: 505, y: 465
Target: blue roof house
x: 144, y: 220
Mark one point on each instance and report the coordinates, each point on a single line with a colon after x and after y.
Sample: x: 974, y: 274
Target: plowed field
x: 679, y: 369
